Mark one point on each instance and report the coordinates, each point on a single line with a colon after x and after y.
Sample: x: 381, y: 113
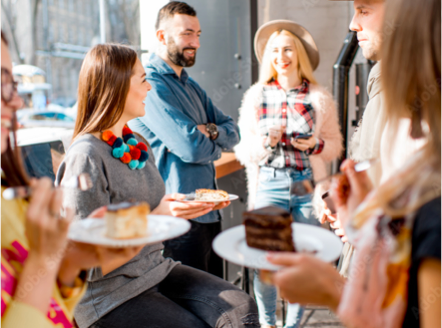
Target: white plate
x: 231, y: 245
x: 191, y: 198
x: 160, y: 228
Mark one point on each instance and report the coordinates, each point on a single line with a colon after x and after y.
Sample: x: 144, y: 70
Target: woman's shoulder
x: 87, y: 148
x: 319, y: 91
x: 252, y: 96
x: 255, y: 90
x: 87, y: 144
x: 84, y: 155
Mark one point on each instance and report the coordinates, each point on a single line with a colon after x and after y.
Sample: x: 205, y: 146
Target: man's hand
x: 349, y: 190
x: 325, y: 213
x: 335, y: 222
x: 202, y: 128
x: 337, y: 226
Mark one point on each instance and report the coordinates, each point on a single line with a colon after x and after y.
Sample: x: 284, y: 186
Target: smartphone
x: 330, y: 204
x: 302, y: 136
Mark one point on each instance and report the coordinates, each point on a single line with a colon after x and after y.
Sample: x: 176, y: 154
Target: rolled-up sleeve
x: 318, y: 147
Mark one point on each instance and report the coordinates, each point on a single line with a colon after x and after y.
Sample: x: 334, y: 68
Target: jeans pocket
x: 265, y: 175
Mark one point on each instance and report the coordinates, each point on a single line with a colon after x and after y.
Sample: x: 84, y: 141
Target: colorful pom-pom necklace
x: 128, y: 149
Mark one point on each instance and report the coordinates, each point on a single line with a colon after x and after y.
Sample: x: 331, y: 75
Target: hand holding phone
x: 303, y: 142
x: 302, y: 136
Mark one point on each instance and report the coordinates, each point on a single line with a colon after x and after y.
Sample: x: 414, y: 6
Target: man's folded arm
x: 228, y: 131
x: 175, y: 129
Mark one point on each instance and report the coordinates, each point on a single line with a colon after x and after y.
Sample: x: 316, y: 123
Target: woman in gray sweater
x: 148, y: 290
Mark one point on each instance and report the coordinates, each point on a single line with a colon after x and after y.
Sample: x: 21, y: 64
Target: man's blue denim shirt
x: 174, y: 108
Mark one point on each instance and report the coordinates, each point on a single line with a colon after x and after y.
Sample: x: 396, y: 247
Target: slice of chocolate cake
x: 269, y: 228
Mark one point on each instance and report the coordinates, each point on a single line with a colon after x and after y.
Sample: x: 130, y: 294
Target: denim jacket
x: 174, y: 108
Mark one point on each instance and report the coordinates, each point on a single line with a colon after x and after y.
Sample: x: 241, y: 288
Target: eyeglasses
x: 9, y: 86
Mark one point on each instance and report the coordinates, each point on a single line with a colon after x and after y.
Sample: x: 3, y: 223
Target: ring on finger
x: 55, y: 215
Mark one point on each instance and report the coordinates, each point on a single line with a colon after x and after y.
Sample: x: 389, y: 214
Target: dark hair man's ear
x: 161, y: 36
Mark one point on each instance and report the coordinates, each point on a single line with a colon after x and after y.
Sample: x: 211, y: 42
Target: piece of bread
x: 212, y: 195
x: 269, y: 228
x: 127, y: 220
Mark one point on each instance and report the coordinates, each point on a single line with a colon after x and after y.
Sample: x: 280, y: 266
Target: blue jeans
x: 274, y: 188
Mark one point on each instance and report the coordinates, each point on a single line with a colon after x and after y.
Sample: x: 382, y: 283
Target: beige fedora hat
x: 265, y: 31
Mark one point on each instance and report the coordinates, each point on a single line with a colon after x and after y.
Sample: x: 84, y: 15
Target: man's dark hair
x: 4, y: 39
x: 173, y: 8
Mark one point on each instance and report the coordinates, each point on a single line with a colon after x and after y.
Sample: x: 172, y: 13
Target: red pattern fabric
x: 292, y: 110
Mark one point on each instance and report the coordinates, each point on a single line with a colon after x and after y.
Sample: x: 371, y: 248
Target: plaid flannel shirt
x: 292, y: 109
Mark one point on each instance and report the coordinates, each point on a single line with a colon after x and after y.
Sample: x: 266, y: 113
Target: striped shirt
x: 292, y: 109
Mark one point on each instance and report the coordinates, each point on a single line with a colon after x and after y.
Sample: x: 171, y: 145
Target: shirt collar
x: 303, y: 87
x: 162, y: 67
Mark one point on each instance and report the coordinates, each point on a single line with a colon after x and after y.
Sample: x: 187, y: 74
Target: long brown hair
x: 411, y: 71
x: 103, y: 86
x: 411, y: 76
x: 12, y: 164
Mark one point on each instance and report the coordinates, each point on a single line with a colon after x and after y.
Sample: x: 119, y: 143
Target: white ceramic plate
x: 231, y: 245
x: 160, y: 228
x: 191, y: 198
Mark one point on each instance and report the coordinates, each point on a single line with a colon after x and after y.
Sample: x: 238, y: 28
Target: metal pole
x: 341, y: 71
x: 102, y: 22
x: 253, y: 29
x: 48, y: 61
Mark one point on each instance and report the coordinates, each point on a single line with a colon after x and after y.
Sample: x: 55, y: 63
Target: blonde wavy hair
x: 268, y: 72
x: 411, y: 76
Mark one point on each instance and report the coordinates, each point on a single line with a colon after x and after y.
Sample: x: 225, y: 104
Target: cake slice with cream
x: 211, y: 195
x: 127, y: 220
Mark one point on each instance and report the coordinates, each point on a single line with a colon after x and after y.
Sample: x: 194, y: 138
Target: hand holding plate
x: 171, y: 205
x: 306, y: 279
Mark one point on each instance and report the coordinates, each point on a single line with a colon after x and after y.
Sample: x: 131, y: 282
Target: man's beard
x: 371, y: 50
x: 177, y: 57
x: 370, y: 53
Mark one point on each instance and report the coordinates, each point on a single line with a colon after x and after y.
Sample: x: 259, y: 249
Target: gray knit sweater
x: 113, y: 182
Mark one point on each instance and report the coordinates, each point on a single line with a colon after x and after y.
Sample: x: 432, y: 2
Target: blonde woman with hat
x: 289, y: 131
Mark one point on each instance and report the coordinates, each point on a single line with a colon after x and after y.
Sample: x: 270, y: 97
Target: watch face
x: 213, y: 130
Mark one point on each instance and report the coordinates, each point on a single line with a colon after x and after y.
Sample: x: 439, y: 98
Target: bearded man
x: 186, y: 131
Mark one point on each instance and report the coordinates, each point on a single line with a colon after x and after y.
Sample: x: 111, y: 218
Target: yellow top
x: 15, y: 247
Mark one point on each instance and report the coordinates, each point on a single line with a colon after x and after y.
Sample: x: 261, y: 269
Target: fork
x: 82, y: 182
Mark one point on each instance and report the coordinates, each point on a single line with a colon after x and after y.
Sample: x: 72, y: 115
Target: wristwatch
x: 213, y: 130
